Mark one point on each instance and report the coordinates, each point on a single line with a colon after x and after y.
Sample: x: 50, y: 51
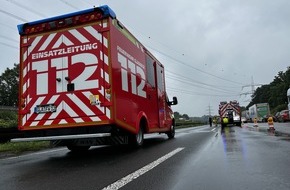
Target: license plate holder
x: 47, y: 108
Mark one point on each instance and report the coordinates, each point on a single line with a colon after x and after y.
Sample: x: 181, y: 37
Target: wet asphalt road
x: 198, y: 158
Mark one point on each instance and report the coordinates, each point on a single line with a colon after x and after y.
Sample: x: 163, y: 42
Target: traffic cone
x: 271, y: 124
x: 255, y: 122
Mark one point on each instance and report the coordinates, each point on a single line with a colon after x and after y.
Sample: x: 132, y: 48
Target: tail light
x: 64, y: 22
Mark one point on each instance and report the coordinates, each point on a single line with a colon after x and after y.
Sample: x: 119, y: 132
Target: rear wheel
x: 171, y: 133
x: 138, y: 139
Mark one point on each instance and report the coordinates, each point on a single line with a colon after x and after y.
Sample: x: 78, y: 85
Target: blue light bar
x: 107, y: 12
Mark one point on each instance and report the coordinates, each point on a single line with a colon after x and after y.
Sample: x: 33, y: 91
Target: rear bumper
x: 98, y: 135
x: 61, y: 137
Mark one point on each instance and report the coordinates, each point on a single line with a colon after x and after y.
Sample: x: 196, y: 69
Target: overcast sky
x: 210, y: 48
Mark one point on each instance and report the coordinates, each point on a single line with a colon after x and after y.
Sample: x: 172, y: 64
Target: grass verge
x: 18, y: 148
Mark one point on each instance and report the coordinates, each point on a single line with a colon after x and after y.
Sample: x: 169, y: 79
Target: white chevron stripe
x: 108, y: 113
x: 79, y: 120
x: 39, y: 100
x: 63, y: 121
x: 97, y: 35
x: 105, y: 42
x: 80, y: 104
x: 107, y: 77
x: 106, y: 59
x: 23, y: 120
x: 93, y: 32
x: 47, y: 41
x: 25, y: 70
x: 95, y: 118
x: 69, y: 110
x: 79, y: 36
x: 101, y: 91
x: 25, y: 87
x: 35, y: 123
x: 31, y: 48
x: 62, y: 40
x: 48, y: 122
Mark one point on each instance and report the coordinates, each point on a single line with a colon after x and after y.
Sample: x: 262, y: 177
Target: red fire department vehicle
x: 231, y: 111
x: 86, y: 80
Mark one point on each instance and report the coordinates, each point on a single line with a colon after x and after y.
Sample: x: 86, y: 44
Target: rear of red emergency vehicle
x: 86, y: 80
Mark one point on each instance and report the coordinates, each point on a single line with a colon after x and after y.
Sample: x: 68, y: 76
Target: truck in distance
x: 259, y: 111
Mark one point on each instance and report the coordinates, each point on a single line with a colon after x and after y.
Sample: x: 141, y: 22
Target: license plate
x: 48, y: 108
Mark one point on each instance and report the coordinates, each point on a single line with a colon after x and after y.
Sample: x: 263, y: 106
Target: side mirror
x: 174, y: 102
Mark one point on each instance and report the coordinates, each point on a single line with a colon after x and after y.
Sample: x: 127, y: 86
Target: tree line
x: 9, y: 81
x: 274, y: 93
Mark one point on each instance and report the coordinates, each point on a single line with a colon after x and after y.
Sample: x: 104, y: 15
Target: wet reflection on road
x: 277, y: 133
x: 233, y: 146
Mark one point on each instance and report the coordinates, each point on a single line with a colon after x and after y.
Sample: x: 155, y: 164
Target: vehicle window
x: 160, y: 78
x: 150, y: 71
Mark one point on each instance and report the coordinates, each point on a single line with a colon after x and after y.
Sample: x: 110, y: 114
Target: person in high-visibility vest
x: 225, y: 121
x: 214, y: 121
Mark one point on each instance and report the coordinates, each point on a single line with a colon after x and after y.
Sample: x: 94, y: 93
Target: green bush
x: 8, y: 119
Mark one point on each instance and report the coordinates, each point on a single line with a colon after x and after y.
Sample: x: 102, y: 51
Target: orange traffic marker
x: 271, y: 124
x: 255, y: 122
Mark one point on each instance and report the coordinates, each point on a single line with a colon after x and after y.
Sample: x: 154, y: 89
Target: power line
x: 199, y: 85
x: 184, y: 91
x: 8, y: 26
x: 26, y: 8
x: 69, y: 4
x: 13, y: 16
x: 7, y: 38
x: 8, y: 45
x: 188, y: 65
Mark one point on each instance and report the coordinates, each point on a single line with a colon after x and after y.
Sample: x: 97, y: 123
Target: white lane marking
x: 125, y: 180
x: 213, y: 129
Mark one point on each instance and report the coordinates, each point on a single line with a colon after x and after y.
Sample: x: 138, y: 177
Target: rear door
x: 63, y: 77
x: 161, y: 94
x: 156, y: 95
x: 152, y: 106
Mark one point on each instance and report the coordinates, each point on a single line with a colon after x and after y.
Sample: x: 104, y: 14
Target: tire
x: 137, y: 140
x: 77, y: 149
x: 171, y: 133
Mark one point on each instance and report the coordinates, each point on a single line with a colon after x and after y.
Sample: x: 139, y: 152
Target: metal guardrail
x: 8, y: 108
